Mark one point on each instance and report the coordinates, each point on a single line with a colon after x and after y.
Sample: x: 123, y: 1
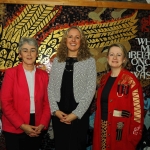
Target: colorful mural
x: 102, y: 27
x: 141, y: 1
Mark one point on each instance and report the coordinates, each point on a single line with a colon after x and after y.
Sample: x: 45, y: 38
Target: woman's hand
x: 65, y: 118
x: 29, y: 130
x: 39, y: 128
x: 61, y: 115
x: 69, y: 118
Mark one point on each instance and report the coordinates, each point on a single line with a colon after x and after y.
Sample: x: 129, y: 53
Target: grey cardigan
x: 84, y: 84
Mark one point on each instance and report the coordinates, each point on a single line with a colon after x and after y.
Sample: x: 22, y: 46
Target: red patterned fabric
x: 131, y: 102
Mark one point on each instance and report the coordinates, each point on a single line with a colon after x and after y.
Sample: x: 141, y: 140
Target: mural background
x: 102, y: 27
x: 141, y: 1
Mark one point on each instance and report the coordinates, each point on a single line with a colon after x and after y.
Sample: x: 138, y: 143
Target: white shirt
x: 30, y: 76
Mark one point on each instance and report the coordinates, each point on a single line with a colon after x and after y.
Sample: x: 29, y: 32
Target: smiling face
x: 73, y: 42
x: 28, y: 54
x: 115, y: 57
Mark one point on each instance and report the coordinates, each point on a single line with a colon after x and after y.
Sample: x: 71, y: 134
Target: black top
x: 67, y: 102
x: 104, y: 97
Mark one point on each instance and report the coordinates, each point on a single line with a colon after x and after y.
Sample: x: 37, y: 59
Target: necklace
x: 69, y: 64
x: 68, y: 70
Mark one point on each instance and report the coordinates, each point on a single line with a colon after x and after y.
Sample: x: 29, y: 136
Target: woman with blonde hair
x: 119, y: 115
x: 71, y: 89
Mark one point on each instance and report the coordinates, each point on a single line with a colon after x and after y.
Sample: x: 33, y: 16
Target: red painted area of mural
x: 145, y: 24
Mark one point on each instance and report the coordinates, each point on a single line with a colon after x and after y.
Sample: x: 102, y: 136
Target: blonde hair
x: 83, y: 53
x: 125, y: 54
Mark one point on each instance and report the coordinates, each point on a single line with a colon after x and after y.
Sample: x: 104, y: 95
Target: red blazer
x: 15, y: 99
x: 131, y: 102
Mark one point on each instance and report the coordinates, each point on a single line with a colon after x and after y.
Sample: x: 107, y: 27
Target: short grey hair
x: 28, y: 40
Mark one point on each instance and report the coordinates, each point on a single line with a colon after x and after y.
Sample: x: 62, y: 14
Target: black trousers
x: 22, y: 141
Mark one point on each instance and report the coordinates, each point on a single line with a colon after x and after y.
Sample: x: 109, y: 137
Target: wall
x: 102, y: 26
x: 135, y: 4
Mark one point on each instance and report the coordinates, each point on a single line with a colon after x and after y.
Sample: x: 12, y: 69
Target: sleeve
x: 45, y: 119
x: 7, y: 99
x: 137, y: 118
x: 51, y: 85
x: 90, y: 89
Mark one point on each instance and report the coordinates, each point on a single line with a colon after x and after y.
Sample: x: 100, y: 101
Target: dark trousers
x: 22, y: 141
x: 72, y: 136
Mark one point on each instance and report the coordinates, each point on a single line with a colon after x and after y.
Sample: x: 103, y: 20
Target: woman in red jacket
x: 119, y: 115
x: 24, y: 100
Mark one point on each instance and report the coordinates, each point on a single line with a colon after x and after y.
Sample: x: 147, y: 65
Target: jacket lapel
x: 22, y: 82
x: 37, y: 83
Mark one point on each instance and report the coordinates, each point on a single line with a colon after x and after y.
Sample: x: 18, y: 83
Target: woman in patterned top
x: 119, y: 115
x: 71, y: 89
